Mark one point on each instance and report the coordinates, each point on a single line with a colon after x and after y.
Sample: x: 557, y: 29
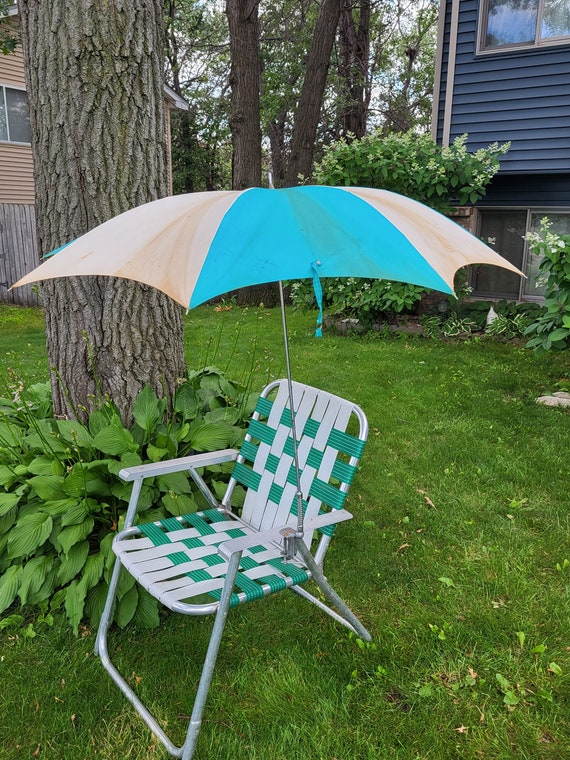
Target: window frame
x: 539, y: 42
x: 530, y: 212
x: 5, y: 87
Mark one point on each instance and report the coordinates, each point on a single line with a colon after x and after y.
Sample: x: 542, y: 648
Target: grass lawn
x: 457, y: 561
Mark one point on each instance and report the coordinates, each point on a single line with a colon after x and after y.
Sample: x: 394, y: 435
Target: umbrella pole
x: 299, y: 493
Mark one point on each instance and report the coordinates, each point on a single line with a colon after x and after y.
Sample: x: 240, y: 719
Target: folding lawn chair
x: 207, y: 562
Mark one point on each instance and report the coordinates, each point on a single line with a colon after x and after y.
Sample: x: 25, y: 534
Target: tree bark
x: 311, y: 99
x: 94, y: 72
x: 354, y: 68
x: 245, y: 124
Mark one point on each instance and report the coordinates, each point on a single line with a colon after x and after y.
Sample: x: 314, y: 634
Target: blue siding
x: 532, y: 191
x: 521, y: 96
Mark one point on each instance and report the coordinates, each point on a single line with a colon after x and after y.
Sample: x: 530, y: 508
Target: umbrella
x: 197, y: 246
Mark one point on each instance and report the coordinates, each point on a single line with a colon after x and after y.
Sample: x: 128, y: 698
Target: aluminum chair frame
x: 276, y: 536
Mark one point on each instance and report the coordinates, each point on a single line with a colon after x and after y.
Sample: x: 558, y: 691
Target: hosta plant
x: 61, y: 499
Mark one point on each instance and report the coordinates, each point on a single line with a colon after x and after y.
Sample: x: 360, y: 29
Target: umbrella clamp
x: 289, y: 542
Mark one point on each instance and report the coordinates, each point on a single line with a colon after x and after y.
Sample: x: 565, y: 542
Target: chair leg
x: 211, y: 657
x: 186, y: 751
x: 346, y: 615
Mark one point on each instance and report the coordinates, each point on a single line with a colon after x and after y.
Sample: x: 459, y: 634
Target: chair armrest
x: 274, y: 535
x: 195, y: 461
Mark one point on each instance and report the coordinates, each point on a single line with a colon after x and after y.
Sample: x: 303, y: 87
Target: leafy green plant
x: 552, y: 328
x: 61, y: 499
x: 413, y: 165
x: 508, y: 327
x: 455, y: 326
x: 363, y: 299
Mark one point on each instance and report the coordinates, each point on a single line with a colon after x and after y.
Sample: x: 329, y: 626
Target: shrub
x: 413, y: 165
x: 367, y: 300
x: 61, y: 499
x: 552, y: 327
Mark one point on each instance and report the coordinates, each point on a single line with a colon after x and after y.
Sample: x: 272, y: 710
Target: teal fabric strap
x: 319, y: 297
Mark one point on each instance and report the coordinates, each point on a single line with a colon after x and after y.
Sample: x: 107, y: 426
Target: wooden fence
x: 18, y: 252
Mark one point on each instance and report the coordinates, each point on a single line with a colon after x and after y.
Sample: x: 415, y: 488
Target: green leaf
x: 211, y: 437
x: 128, y: 459
x: 76, y: 514
x: 179, y: 504
x: 7, y: 501
x: 75, y: 433
x: 29, y: 533
x: 59, y: 507
x: 44, y: 465
x: 146, y: 614
x: 95, y: 603
x: 14, y: 621
x: 156, y: 454
x: 185, y: 402
x: 72, y: 563
x: 561, y: 333
x: 45, y: 438
x: 10, y: 435
x: 127, y: 607
x: 148, y: 409
x: 114, y: 440
x: 92, y: 571
x: 7, y: 476
x: 511, y: 698
x: 177, y: 482
x: 33, y: 575
x: 9, y: 585
x: 74, y: 604
x: 71, y: 535
x: 81, y: 482
x: 48, y: 487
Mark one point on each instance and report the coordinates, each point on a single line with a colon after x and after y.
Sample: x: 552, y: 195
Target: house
x: 18, y: 248
x: 503, y: 74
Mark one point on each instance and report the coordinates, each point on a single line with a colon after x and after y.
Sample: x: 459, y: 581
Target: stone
x: 554, y: 400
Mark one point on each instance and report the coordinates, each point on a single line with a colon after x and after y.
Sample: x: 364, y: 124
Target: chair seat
x: 177, y: 560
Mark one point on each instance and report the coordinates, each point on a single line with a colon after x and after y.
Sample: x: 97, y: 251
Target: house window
x: 504, y: 230
x: 14, y: 115
x: 523, y: 23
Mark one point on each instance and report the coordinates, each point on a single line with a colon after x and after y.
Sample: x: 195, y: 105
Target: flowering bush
x: 367, y: 300
x: 552, y: 328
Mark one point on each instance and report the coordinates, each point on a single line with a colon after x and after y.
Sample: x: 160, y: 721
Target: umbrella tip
x: 270, y: 180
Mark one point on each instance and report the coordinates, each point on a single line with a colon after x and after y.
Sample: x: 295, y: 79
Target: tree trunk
x: 354, y: 68
x: 311, y: 99
x: 245, y: 125
x: 245, y: 122
x: 94, y: 78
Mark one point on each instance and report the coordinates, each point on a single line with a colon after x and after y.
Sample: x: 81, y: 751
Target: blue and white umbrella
x: 197, y: 246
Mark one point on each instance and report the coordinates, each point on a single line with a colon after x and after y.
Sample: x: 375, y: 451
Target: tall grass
x: 458, y: 562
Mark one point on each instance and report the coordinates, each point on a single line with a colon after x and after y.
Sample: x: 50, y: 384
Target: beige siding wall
x: 16, y: 166
x: 16, y: 174
x: 12, y: 68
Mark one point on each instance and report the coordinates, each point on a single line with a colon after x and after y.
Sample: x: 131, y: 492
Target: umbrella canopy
x: 197, y: 246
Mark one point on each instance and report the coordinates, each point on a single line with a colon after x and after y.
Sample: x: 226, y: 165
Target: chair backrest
x: 328, y: 455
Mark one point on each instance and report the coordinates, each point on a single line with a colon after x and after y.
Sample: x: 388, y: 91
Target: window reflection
x: 511, y: 22
x: 14, y: 115
x: 524, y: 22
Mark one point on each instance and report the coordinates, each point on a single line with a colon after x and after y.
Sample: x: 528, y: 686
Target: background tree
x: 308, y: 110
x: 197, y: 55
x: 94, y: 80
x: 354, y: 66
x: 243, y: 23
